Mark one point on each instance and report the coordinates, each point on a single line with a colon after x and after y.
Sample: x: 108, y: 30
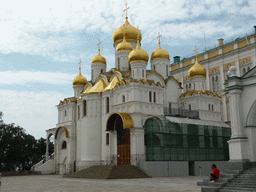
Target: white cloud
x: 34, y: 77
x: 33, y: 111
x: 47, y: 27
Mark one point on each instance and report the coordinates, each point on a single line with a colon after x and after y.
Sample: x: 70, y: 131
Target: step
x: 231, y: 171
x: 209, y: 189
x: 233, y: 190
x: 237, y: 189
x: 227, y: 175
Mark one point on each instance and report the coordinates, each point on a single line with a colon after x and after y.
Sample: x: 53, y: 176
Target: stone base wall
x: 19, y: 173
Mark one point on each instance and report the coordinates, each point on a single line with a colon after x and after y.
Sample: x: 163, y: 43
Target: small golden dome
x: 160, y: 54
x: 79, y: 80
x: 99, y: 59
x: 197, y: 70
x: 124, y: 46
x: 130, y: 33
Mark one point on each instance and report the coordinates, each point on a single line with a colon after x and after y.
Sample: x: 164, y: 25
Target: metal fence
x: 181, y: 112
x: 168, y: 141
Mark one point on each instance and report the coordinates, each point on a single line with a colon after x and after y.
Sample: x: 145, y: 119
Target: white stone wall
x: 161, y: 66
x: 122, y: 58
x: 138, y: 70
x: 97, y: 69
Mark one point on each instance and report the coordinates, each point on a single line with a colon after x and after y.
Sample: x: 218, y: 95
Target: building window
x: 142, y: 73
x: 64, y: 145
x: 167, y: 70
x: 107, y: 139
x: 215, y: 84
x: 189, y: 86
x: 107, y: 104
x: 65, y: 113
x: 203, y: 85
x: 154, y: 67
x: 212, y: 107
x: 85, y: 108
x: 118, y: 63
x: 186, y: 87
x: 78, y: 111
x: 189, y: 107
x: 209, y: 107
x: 132, y: 73
x: 244, y: 70
x: 170, y: 108
x: 150, y: 96
x: 123, y: 98
x: 154, y: 97
x: 248, y: 69
x: 101, y: 71
x: 194, y: 86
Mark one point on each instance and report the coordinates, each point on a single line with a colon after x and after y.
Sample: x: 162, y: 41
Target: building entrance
x: 118, y: 122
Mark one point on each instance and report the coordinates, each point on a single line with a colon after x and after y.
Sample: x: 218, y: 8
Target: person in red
x: 215, y: 174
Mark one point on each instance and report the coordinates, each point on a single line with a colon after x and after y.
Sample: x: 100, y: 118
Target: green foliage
x: 18, y: 149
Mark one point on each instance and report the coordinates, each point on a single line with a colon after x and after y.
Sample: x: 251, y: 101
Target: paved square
x: 55, y: 183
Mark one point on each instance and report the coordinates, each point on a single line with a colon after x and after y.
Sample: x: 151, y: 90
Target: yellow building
x: 240, y: 53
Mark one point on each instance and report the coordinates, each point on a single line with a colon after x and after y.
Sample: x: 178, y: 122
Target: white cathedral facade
x: 104, y: 121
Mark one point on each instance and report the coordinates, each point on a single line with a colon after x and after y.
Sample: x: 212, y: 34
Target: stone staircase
x: 243, y: 182
x: 231, y: 181
x: 110, y: 172
x: 225, y: 177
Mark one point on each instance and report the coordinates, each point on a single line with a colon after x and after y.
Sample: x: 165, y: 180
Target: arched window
x: 107, y: 139
x: 194, y: 86
x: 118, y: 63
x: 248, y: 69
x: 167, y: 70
x: 132, y: 73
x: 64, y: 145
x: 107, y: 104
x: 244, y: 70
x: 142, y: 73
x: 189, y: 86
x: 101, y: 71
x: 85, y: 108
x: 154, y: 67
x: 217, y: 83
x: 186, y: 87
x: 150, y: 96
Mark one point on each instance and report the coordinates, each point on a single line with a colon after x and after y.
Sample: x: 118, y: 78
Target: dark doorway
x: 115, y: 123
x: 191, y: 167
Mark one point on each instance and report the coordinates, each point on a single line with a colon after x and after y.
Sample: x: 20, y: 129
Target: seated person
x: 215, y: 174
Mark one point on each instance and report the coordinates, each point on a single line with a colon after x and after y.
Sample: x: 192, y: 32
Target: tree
x: 18, y: 149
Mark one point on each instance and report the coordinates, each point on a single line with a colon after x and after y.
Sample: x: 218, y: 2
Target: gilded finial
x: 138, y: 38
x: 80, y: 61
x: 99, y: 47
x: 159, y: 40
x: 125, y: 10
x: 196, y: 53
x: 123, y: 30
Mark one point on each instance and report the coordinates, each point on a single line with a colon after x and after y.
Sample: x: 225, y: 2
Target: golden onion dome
x: 99, y: 59
x: 124, y: 46
x: 197, y: 70
x: 159, y: 53
x: 130, y: 33
x: 79, y: 80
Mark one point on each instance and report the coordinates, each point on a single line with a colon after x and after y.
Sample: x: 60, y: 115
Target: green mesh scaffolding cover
x: 168, y: 141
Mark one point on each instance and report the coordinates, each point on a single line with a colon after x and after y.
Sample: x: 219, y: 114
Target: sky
x: 41, y: 43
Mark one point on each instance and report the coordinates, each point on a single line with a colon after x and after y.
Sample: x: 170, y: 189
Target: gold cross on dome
x: 159, y: 36
x: 99, y: 44
x: 196, y: 50
x: 80, y: 61
x: 125, y: 10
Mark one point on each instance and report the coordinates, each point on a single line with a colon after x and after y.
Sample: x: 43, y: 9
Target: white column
x: 235, y: 114
x: 237, y: 66
x: 207, y: 80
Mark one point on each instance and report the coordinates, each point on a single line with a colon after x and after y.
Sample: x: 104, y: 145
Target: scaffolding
x: 172, y: 141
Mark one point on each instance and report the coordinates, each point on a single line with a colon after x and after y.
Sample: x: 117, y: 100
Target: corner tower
x: 160, y: 60
x: 197, y: 73
x: 138, y: 59
x: 79, y: 82
x: 98, y: 65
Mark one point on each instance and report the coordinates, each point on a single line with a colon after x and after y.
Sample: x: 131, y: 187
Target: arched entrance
x: 121, y: 123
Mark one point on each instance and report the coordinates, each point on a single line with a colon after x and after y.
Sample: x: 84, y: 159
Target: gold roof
x: 126, y: 119
x: 86, y: 90
x: 208, y: 92
x: 129, y: 31
x: 197, y: 70
x: 112, y: 84
x: 99, y: 59
x: 79, y: 80
x: 159, y: 53
x: 138, y: 54
x: 124, y: 46
x: 98, y: 87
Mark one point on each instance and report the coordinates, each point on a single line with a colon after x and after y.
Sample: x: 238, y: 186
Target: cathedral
x: 130, y: 115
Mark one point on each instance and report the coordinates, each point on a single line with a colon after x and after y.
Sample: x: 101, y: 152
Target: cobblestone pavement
x: 55, y: 183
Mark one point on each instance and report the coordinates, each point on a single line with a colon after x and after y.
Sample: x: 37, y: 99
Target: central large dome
x: 129, y: 31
